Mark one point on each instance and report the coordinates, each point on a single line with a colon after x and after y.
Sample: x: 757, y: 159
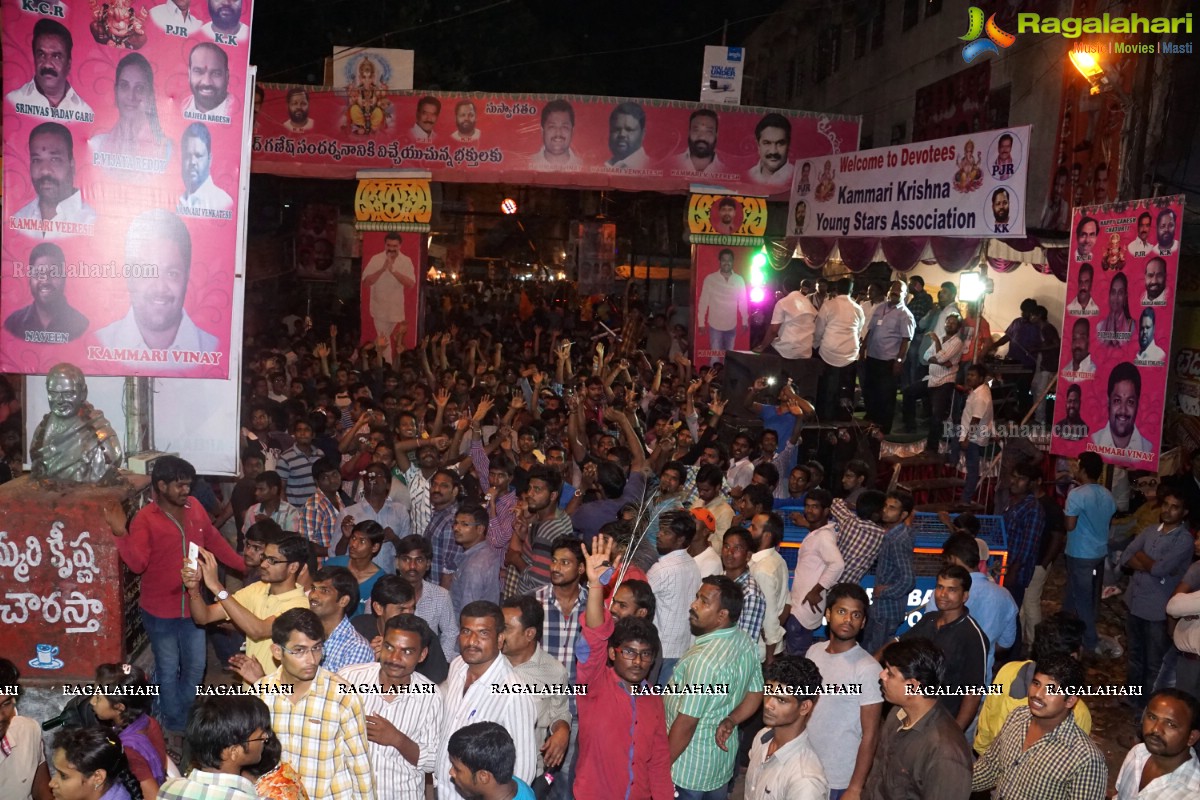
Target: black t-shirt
x: 965, y: 646
x: 1055, y: 521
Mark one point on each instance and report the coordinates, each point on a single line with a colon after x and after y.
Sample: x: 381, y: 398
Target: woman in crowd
x: 127, y: 712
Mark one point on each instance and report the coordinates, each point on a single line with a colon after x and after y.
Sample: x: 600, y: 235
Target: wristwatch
x: 222, y: 595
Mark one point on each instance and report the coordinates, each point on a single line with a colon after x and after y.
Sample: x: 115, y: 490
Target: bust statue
x: 74, y: 443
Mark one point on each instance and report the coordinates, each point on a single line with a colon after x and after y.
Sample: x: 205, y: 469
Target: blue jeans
x: 796, y: 638
x: 179, y: 660
x: 720, y: 793
x: 974, y: 456
x: 1147, y: 644
x: 720, y: 340
x: 1082, y: 596
x: 668, y: 667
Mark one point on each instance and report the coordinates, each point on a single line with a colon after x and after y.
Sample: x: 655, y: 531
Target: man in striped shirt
x: 295, y: 464
x: 403, y: 718
x: 319, y: 724
x: 538, y: 529
x: 735, y: 559
x: 699, y: 724
x: 480, y: 689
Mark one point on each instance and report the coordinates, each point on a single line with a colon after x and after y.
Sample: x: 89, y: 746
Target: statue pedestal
x: 65, y: 602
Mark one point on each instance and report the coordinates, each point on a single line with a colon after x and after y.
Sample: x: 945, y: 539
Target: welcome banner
x: 970, y: 186
x: 1116, y: 331
x: 123, y: 132
x: 588, y: 142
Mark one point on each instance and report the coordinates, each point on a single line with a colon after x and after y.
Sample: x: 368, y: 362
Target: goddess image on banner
x: 1121, y: 285
x: 721, y: 297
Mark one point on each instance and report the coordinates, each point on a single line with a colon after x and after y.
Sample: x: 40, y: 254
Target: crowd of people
x: 513, y: 563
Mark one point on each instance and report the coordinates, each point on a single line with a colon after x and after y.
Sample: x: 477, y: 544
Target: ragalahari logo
x: 997, y: 38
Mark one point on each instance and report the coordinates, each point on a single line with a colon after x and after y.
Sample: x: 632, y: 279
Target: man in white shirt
x: 675, y: 579
x: 783, y: 761
x: 793, y: 324
x: 226, y: 26
x: 1141, y: 247
x: 428, y: 108
x: 465, y: 131
x: 208, y: 76
x: 700, y: 157
x: 626, y: 131
x: 386, y: 276
x: 839, y: 330
x: 470, y: 695
x: 1164, y: 766
x: 403, y: 709
x: 818, y: 568
x: 1083, y: 305
x: 558, y: 128
x: 58, y: 209
x: 1166, y: 243
x: 156, y: 319
x: 722, y: 300
x: 773, y: 137
x: 1151, y: 353
x: 1081, y: 366
x: 975, y: 427
x: 23, y: 771
x: 50, y: 88
x: 943, y: 355
x: 195, y: 157
x: 175, y: 17
x: 1124, y: 394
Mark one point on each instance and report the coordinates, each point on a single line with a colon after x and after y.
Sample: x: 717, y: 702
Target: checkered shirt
x: 323, y: 737
x: 858, y: 541
x: 559, y: 631
x: 201, y: 785
x: 754, y: 610
x: 318, y: 519
x: 1062, y: 765
x: 440, y: 534
x: 346, y: 646
x: 1023, y: 522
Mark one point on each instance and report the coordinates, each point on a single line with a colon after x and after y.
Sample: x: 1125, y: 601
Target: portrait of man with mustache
x: 50, y: 93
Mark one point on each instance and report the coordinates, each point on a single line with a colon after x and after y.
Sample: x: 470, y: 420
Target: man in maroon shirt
x: 623, y: 750
x: 155, y: 546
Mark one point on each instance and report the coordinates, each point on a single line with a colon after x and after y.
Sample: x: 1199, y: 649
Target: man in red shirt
x: 155, y: 546
x: 623, y: 749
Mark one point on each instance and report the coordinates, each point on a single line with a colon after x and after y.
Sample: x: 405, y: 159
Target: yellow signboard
x: 393, y: 200
x: 727, y: 215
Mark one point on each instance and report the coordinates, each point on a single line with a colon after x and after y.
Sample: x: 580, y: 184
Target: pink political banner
x: 123, y: 145
x: 392, y: 273
x: 1116, y: 337
x: 721, y: 299
x: 588, y: 142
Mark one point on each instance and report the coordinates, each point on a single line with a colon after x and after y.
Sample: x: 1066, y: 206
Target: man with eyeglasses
x: 225, y: 735
x: 319, y: 724
x: 404, y: 717
x: 622, y: 737
x: 252, y: 608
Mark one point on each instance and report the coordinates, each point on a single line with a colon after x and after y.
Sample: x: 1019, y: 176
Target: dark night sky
x: 488, y: 45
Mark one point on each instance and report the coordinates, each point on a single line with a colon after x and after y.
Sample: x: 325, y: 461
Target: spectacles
x: 271, y: 561
x: 637, y: 655
x: 266, y: 737
x: 315, y: 650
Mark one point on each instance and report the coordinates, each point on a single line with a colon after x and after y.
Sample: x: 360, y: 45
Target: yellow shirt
x: 996, y: 708
x: 258, y: 600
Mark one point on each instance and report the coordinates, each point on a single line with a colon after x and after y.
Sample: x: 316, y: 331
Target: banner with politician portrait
x: 123, y: 150
x: 393, y: 266
x: 542, y: 140
x: 971, y: 185
x: 1113, y: 366
x: 721, y: 298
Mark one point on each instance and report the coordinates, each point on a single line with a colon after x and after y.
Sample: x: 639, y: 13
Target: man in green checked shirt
x: 699, y: 724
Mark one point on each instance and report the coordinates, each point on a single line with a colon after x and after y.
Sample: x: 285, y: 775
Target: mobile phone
x: 193, y: 556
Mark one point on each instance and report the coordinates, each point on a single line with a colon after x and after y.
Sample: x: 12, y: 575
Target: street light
x: 508, y: 206
x: 1097, y: 77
